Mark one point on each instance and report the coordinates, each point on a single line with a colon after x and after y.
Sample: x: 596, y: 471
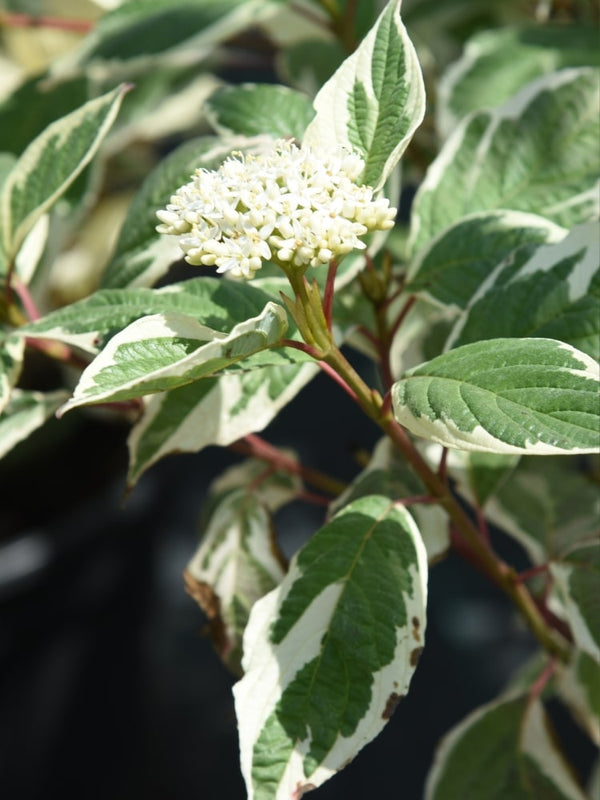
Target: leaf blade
x: 375, y: 100
x: 285, y: 690
x: 535, y: 396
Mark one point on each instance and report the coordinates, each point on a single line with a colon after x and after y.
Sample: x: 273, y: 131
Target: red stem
x: 32, y: 21
x: 402, y: 315
x: 543, y: 678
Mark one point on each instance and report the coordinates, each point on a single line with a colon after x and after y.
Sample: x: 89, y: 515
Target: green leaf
x: 538, y: 153
x: 551, y: 291
x: 535, y: 396
x: 90, y: 323
x: 387, y: 475
x: 33, y: 105
x: 577, y: 577
x: 237, y: 562
x: 252, y: 109
x: 479, y: 476
x: 25, y: 413
x: 142, y: 33
x: 548, y: 505
x: 165, y: 351
x: 577, y: 686
x: 504, y: 749
x: 141, y: 255
x: 330, y: 652
x: 457, y: 261
x: 213, y: 411
x: 12, y: 348
x: 50, y: 164
x: 375, y: 101
x: 309, y: 74
x: 497, y: 63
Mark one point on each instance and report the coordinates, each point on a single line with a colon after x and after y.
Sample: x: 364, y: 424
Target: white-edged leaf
x: 552, y: 291
x: 32, y: 249
x: 12, y: 348
x: 165, y: 351
x: 548, y: 505
x: 50, y: 164
x: 88, y: 324
x: 375, y: 100
x: 538, y: 153
x: 213, y: 411
x: 536, y: 396
x: 137, y: 36
x: 259, y: 108
x: 26, y: 412
x: 576, y: 579
x: 496, y: 63
x: 457, y: 261
x: 237, y: 562
x: 503, y: 749
x: 577, y: 686
x: 330, y: 652
x: 272, y: 488
x: 477, y: 477
x: 388, y: 475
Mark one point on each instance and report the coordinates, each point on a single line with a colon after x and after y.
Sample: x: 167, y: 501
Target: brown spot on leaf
x: 391, y: 705
x: 209, y: 603
x: 203, y: 594
x: 416, y: 623
x: 414, y: 656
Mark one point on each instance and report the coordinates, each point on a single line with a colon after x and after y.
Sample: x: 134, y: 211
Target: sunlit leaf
x: 355, y: 598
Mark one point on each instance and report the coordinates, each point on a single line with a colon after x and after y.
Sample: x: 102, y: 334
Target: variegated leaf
x: 538, y: 153
x: 272, y: 488
x: 166, y: 351
x: 498, y: 62
x: 552, y: 291
x: 149, y: 34
x: 259, y: 108
x: 504, y: 749
x: 25, y: 413
x: 90, y: 323
x: 577, y: 686
x: 387, y: 474
x: 548, y: 505
x: 50, y: 164
x: 238, y: 562
x: 375, y: 101
x: 452, y: 267
x: 577, y: 578
x: 12, y: 348
x: 330, y: 652
x: 212, y: 411
x: 536, y: 396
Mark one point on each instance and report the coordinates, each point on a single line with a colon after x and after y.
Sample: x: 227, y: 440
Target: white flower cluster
x: 293, y: 206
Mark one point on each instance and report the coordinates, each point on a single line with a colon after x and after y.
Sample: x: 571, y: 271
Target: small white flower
x: 294, y: 206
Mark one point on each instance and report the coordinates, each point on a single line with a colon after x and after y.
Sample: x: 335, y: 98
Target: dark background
x: 108, y: 688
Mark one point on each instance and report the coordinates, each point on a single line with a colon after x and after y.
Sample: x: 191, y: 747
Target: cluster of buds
x: 294, y: 206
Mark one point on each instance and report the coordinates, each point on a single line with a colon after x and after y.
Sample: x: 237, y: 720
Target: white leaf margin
x: 535, y: 741
x: 167, y: 325
x: 262, y: 659
x: 331, y: 122
x: 448, y: 434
